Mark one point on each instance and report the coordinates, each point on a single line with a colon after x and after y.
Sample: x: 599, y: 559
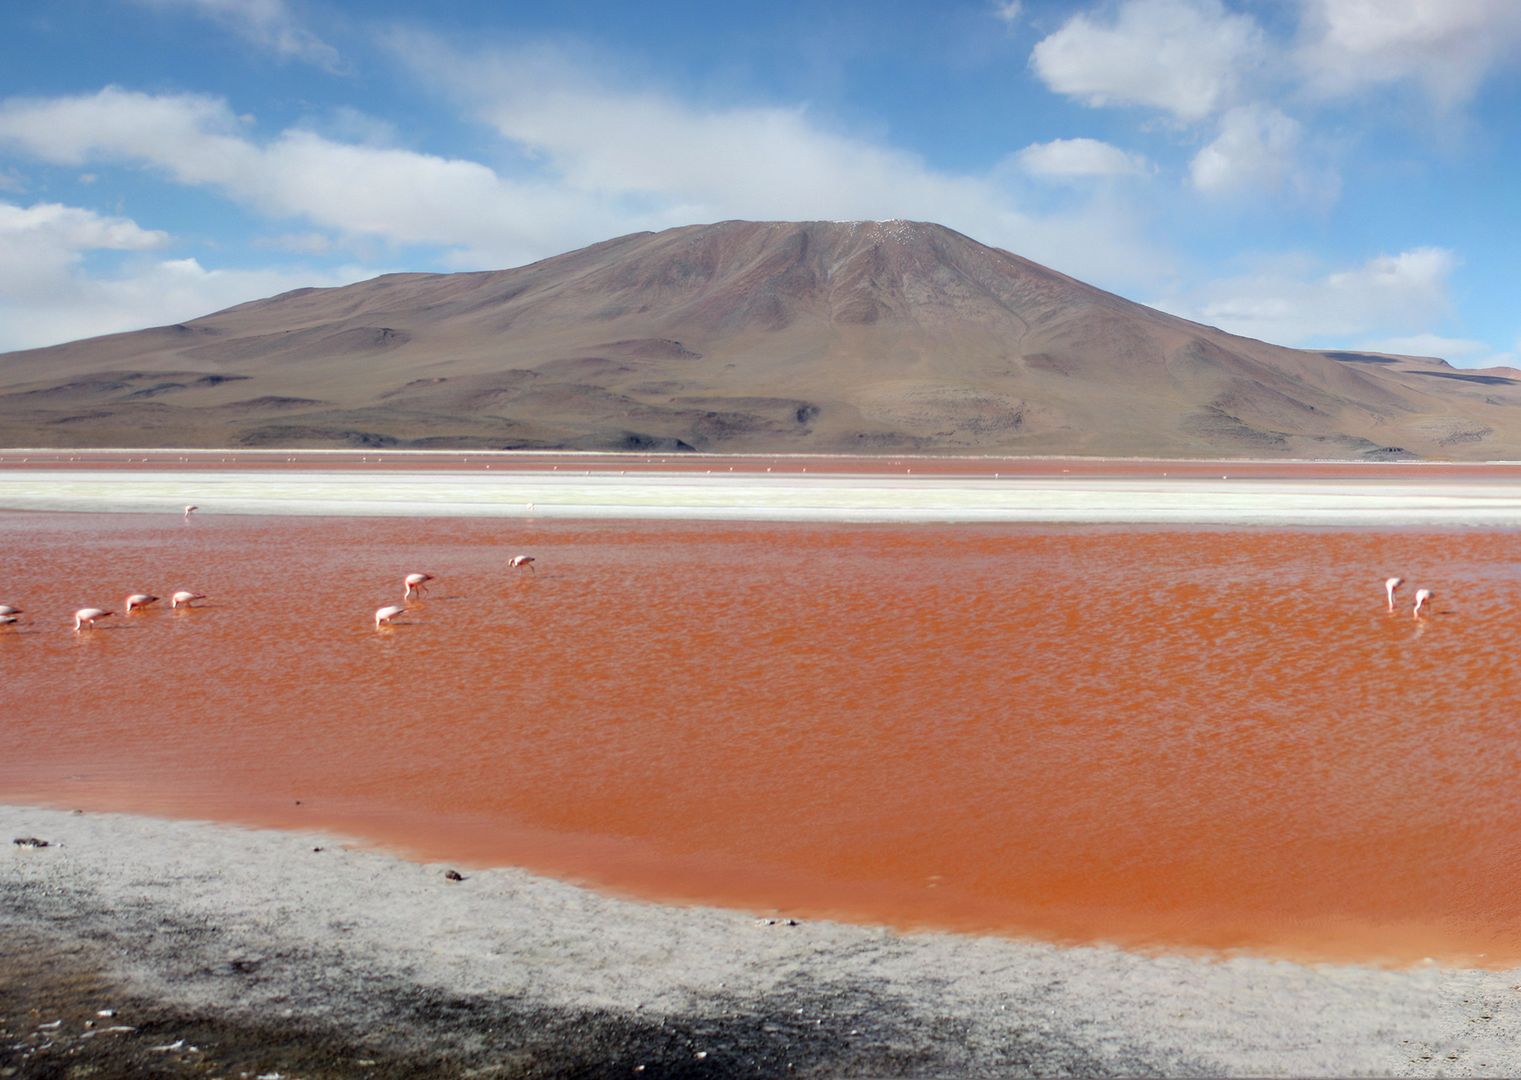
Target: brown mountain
x: 747, y: 336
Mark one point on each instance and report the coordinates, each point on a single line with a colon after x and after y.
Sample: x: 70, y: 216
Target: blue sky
x: 1327, y: 173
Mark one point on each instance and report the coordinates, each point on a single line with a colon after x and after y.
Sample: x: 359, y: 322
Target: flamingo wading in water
x: 1421, y: 596
x: 87, y: 616
x: 418, y: 582
x: 517, y: 562
x: 1391, y: 586
x: 6, y: 609
x: 192, y: 508
x: 184, y: 596
x: 137, y: 600
x: 386, y: 614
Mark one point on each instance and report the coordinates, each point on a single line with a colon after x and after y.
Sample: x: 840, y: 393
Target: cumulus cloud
x: 1063, y: 158
x: 601, y: 161
x: 681, y: 162
x: 49, y: 293
x: 1287, y: 305
x: 1448, y: 46
x: 1258, y: 149
x: 393, y: 194
x: 268, y: 24
x: 1185, y: 57
x: 121, y: 125
x: 39, y: 242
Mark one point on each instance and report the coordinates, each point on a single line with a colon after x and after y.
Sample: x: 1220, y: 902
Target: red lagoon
x: 1197, y: 738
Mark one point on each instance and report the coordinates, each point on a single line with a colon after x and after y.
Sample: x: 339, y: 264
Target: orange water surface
x: 1212, y: 738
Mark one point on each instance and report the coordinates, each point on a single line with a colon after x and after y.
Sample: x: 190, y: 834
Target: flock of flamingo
x: 86, y: 617
x: 416, y: 584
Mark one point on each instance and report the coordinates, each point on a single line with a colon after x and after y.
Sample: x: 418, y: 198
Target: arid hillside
x: 823, y: 337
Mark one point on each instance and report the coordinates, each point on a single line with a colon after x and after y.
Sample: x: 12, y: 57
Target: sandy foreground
x: 233, y: 952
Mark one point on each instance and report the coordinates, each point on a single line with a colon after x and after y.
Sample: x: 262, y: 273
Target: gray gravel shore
x: 231, y: 952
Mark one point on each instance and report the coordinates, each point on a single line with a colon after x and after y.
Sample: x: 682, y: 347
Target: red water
x: 1156, y: 737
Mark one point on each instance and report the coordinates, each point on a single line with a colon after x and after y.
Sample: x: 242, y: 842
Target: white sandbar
x: 817, y: 498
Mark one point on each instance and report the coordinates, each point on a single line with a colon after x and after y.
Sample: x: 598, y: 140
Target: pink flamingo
x: 6, y: 609
x: 1421, y: 596
x: 184, y: 596
x: 517, y: 562
x: 1391, y: 586
x: 88, y: 615
x: 137, y: 600
x: 386, y: 614
x: 418, y: 582
x: 192, y: 508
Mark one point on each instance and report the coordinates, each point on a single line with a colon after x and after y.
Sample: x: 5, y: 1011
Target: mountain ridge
x: 748, y: 336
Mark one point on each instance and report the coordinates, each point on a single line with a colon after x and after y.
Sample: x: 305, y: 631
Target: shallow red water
x: 1198, y: 738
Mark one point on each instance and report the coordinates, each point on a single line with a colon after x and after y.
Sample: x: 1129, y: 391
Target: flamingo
x: 517, y: 562
x: 137, y: 600
x: 184, y: 596
x: 386, y: 614
x: 6, y: 609
x: 1391, y: 586
x: 89, y: 615
x: 8, y: 620
x: 192, y: 508
x: 1421, y: 596
x: 418, y: 582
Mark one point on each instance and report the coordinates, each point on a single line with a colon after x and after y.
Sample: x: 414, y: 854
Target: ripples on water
x: 1213, y: 738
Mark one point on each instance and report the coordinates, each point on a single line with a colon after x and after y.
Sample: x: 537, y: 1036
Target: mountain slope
x: 747, y: 336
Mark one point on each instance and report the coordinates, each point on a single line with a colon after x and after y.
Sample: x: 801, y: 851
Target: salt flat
x: 792, y: 497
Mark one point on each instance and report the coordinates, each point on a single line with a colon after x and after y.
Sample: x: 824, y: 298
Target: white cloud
x: 269, y: 24
x: 1258, y: 149
x: 1008, y: 11
x: 1080, y: 158
x: 604, y: 162
x: 152, y: 293
x: 1386, y: 296
x: 117, y: 124
x: 683, y: 162
x: 41, y: 241
x: 1446, y: 348
x: 48, y: 294
x: 1448, y: 46
x: 1186, y: 57
x: 365, y: 191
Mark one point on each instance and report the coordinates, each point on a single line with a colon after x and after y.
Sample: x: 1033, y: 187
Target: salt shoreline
x: 809, y: 497
x: 388, y: 958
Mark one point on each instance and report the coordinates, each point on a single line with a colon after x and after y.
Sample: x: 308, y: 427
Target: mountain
x: 749, y: 337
